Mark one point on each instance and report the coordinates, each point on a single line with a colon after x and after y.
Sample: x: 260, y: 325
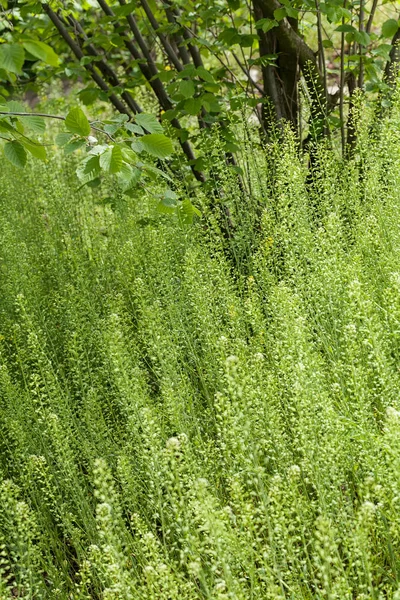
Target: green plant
x: 187, y: 415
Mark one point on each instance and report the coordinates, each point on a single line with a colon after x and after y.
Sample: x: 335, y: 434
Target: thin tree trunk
x: 74, y: 46
x: 105, y: 68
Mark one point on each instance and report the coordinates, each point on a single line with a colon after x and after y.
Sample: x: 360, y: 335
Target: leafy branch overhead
x: 202, y: 63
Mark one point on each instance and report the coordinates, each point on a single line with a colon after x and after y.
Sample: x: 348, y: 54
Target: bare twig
x: 371, y: 16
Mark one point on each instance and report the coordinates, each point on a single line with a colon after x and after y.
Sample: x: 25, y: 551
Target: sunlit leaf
x: 111, y: 159
x: 76, y: 122
x: 157, y: 144
x: 389, y: 28
x: 42, y: 51
x: 12, y: 58
x: 149, y: 123
x: 15, y: 153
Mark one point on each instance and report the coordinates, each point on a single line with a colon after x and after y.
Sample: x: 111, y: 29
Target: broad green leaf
x: 134, y: 128
x: 168, y: 204
x: 89, y: 95
x: 111, y: 159
x: 205, y: 75
x: 6, y: 126
x: 389, y: 28
x: 111, y: 128
x: 346, y: 28
x: 42, y: 51
x: 97, y: 150
x: 149, y: 122
x: 12, y: 58
x: 123, y: 118
x: 155, y: 171
x: 73, y: 145
x: 14, y: 106
x: 36, y: 150
x: 186, y: 211
x: 15, y: 154
x: 36, y: 124
x: 186, y: 88
x: 94, y: 183
x: 63, y: 138
x: 128, y: 155
x: 157, y: 144
x: 89, y: 169
x: 137, y: 146
x: 126, y: 9
x: 166, y: 207
x: 291, y: 12
x: 87, y: 60
x: 169, y: 115
x: 188, y: 71
x: 128, y: 177
x: 193, y: 106
x: 266, y: 24
x: 383, y: 50
x: 210, y: 103
x: 247, y: 40
x: 362, y: 38
x: 211, y: 87
x: 332, y: 12
x: 76, y: 122
x: 279, y: 14
x: 18, y: 125
x: 229, y: 36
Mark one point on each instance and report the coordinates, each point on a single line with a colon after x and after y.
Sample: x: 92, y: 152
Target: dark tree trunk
x: 281, y: 82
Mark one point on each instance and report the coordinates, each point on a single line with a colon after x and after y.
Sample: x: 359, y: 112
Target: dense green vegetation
x: 199, y: 300
x: 188, y: 413
x: 195, y: 63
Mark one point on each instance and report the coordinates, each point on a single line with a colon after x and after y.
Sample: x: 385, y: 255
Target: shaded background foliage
x: 195, y: 63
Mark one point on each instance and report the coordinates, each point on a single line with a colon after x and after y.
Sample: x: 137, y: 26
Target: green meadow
x: 194, y: 411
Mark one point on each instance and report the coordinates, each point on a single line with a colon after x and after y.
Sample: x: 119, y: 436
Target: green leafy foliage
x: 35, y: 149
x: 111, y: 159
x: 157, y: 144
x: 224, y: 70
x: 189, y: 412
x: 12, y: 58
x: 89, y: 169
x: 15, y: 153
x: 35, y: 124
x: 89, y: 95
x: 389, y: 28
x: 63, y: 138
x: 77, y: 122
x: 42, y: 51
x: 187, y: 88
x: 149, y: 123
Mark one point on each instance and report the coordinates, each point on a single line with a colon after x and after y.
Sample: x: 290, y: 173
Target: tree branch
x: 48, y: 116
x: 105, y: 68
x: 183, y: 51
x: 173, y: 57
x: 371, y: 16
x: 394, y: 60
x: 79, y: 54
